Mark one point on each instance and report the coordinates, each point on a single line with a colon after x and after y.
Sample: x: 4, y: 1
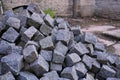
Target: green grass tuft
x: 50, y: 12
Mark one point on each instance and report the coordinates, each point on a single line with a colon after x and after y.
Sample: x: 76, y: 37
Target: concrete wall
x: 61, y: 7
x: 102, y: 8
x: 108, y: 8
x: 9, y: 4
x: 87, y: 8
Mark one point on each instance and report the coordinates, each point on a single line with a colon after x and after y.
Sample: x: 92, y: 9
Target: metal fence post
x: 74, y: 8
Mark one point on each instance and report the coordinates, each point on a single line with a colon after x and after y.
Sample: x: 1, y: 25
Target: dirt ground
x: 86, y: 22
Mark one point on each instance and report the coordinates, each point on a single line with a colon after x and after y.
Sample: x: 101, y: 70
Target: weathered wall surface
x: 108, y: 8
x: 61, y: 7
x: 102, y: 8
x: 87, y: 8
x: 9, y: 4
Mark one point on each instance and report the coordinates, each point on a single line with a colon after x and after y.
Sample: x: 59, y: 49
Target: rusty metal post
x: 74, y: 8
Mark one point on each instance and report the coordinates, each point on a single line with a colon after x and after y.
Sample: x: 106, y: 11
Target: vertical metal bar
x: 74, y: 8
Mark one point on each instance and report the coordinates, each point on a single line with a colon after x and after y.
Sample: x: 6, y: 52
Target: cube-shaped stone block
x: 39, y: 66
x: 72, y: 59
x: 63, y: 36
x: 47, y: 55
x: 76, y: 30
x: 46, y: 43
x: 53, y: 75
x: 55, y: 67
x: 60, y: 47
x: 90, y: 38
x: 13, y: 22
x: 14, y: 62
x: 81, y: 69
x: 58, y: 57
x: 48, y: 20
x: 35, y: 20
x: 27, y: 76
x: 70, y: 73
x: 29, y: 33
x: 45, y: 29
x: 7, y: 76
x: 10, y: 35
x: 106, y: 72
x: 30, y: 53
x: 80, y: 49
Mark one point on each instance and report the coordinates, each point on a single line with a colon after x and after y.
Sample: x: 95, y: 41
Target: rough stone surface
x: 62, y: 25
x: 45, y: 29
x: 39, y: 66
x: 117, y: 63
x: 80, y: 49
x: 27, y: 76
x: 47, y: 43
x: 88, y: 61
x: 35, y: 20
x: 112, y: 58
x: 52, y: 75
x: 47, y: 55
x: 30, y: 53
x: 113, y: 79
x: 10, y: 35
x: 90, y: 38
x: 90, y: 48
x: 63, y: 36
x: 60, y: 47
x: 14, y: 62
x: 29, y: 33
x: 89, y: 77
x: 63, y: 79
x: 38, y: 36
x: 102, y: 57
x: 32, y: 43
x: 72, y: 59
x: 44, y: 78
x: 70, y: 73
x: 14, y: 49
x: 55, y: 67
x: 32, y: 8
x: 99, y: 47
x: 13, y: 22
x: 49, y: 21
x: 76, y: 30
x: 81, y: 69
x: 106, y: 71
x: 4, y: 47
x: 58, y: 57
x: 59, y: 20
x: 7, y: 76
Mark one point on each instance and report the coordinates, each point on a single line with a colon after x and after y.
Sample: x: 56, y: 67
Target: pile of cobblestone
x: 34, y: 46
